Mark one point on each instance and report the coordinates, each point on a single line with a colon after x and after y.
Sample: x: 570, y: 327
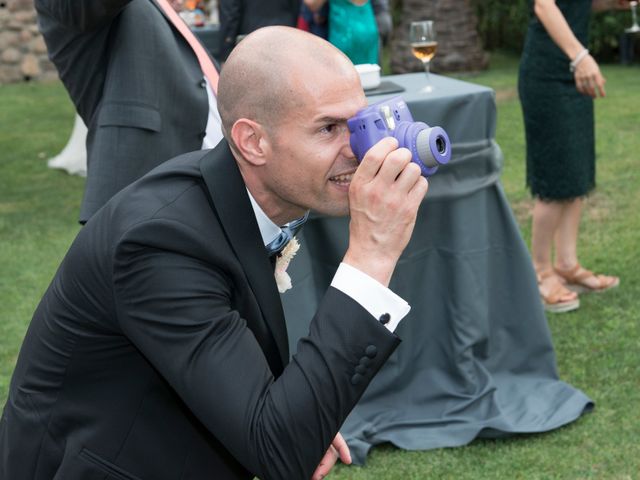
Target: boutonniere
x: 283, y: 280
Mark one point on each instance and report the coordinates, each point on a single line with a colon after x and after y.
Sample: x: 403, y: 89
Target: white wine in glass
x: 424, y: 51
x: 422, y: 37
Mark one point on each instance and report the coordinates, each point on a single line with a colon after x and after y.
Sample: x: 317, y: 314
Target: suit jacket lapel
x: 231, y: 202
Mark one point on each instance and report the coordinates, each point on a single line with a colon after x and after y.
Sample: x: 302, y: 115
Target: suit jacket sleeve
x: 78, y: 42
x: 177, y: 309
x: 82, y: 15
x: 230, y: 16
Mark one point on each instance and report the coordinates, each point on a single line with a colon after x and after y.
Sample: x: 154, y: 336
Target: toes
x: 606, y: 281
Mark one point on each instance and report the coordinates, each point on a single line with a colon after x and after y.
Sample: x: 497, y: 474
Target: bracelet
x: 579, y: 57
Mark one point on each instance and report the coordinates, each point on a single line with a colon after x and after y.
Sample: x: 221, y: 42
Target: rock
x: 8, y: 39
x: 10, y: 74
x: 10, y: 56
x: 30, y: 66
x: 25, y: 16
x: 24, y: 35
x: 38, y: 46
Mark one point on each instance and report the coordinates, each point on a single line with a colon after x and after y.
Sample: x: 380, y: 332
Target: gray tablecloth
x: 477, y: 357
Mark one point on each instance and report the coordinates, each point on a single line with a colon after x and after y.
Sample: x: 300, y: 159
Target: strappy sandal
x: 552, y: 300
x: 576, y: 277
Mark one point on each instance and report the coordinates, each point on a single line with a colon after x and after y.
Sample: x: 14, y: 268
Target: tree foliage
x: 503, y: 25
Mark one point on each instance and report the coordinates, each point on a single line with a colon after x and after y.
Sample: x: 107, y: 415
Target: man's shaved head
x: 269, y: 72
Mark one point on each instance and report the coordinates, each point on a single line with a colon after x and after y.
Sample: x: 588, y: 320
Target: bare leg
x: 566, y: 237
x: 566, y: 242
x: 547, y: 217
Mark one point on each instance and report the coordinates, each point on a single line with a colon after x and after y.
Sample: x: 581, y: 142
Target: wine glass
x: 634, y: 16
x: 422, y: 37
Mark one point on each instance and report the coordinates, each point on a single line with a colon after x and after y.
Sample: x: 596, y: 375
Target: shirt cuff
x: 374, y: 297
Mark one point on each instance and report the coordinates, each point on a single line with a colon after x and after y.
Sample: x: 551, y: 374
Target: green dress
x: 353, y: 30
x: 559, y: 122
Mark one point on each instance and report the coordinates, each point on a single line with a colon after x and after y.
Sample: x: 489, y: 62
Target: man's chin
x: 336, y: 211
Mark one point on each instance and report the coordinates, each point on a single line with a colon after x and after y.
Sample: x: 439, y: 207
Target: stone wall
x: 23, y: 53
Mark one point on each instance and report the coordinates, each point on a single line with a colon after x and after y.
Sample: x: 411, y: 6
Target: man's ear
x: 250, y: 140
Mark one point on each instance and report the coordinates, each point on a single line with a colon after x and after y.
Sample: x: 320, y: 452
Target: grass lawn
x: 598, y: 347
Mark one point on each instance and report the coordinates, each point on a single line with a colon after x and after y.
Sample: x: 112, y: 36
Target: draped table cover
x: 477, y: 358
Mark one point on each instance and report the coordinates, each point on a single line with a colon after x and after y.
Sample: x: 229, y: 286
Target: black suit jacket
x: 135, y: 82
x: 158, y: 351
x: 241, y: 17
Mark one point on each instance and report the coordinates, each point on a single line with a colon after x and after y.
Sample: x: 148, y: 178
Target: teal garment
x: 559, y: 120
x: 353, y: 30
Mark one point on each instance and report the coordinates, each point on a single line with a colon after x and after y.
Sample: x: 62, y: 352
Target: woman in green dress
x: 558, y: 81
x: 352, y: 28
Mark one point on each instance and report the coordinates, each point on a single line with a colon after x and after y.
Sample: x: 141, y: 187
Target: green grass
x: 598, y: 347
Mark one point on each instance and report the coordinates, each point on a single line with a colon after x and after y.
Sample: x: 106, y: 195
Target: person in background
x: 352, y: 28
x: 137, y: 84
x: 383, y: 20
x: 558, y: 81
x: 241, y: 17
x: 318, y: 22
x: 314, y: 22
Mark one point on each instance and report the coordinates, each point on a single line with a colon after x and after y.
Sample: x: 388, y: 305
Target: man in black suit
x: 136, y: 83
x: 240, y: 17
x: 159, y: 351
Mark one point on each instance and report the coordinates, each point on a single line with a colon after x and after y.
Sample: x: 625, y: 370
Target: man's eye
x: 334, y: 128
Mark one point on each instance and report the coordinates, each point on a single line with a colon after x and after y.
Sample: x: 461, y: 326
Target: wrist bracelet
x: 579, y: 57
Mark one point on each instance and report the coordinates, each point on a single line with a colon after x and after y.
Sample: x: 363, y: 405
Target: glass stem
x: 426, y: 70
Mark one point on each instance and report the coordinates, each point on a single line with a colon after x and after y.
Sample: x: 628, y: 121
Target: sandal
x: 553, y: 300
x: 576, y: 280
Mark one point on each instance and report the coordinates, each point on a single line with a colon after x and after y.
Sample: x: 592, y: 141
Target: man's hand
x: 384, y: 197
x: 338, y: 449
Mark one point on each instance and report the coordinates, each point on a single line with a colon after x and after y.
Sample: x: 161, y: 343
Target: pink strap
x: 208, y: 68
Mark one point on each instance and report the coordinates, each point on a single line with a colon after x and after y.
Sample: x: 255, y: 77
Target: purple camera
x: 429, y: 146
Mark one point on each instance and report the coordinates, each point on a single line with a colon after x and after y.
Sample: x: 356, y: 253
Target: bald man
x: 159, y: 351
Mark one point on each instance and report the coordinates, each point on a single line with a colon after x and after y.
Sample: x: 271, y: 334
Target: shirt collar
x: 268, y: 229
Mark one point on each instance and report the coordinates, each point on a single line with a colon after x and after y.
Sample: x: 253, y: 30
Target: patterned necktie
x: 206, y: 64
x: 287, y: 232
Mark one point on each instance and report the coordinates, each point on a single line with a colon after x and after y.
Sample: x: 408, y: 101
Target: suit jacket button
x: 365, y: 361
x: 361, y: 369
x: 203, y: 83
x: 371, y: 351
x: 202, y: 135
x: 356, y: 379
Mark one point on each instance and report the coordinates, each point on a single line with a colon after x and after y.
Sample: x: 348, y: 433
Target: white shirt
x: 374, y: 297
x: 213, y: 131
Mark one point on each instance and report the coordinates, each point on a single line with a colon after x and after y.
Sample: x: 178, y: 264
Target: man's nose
x: 346, y: 149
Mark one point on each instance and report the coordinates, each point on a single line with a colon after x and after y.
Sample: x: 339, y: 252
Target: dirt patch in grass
x: 522, y: 210
x: 598, y: 207
x: 11, y: 207
x: 506, y: 94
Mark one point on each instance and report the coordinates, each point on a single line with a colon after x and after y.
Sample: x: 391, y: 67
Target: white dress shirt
x: 374, y: 297
x: 213, y: 131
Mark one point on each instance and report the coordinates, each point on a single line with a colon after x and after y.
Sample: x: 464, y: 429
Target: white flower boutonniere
x: 283, y: 280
